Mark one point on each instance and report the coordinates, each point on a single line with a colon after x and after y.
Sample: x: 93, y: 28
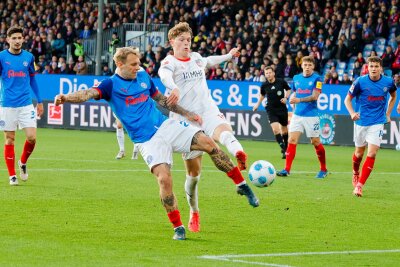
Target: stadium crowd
x: 338, y: 34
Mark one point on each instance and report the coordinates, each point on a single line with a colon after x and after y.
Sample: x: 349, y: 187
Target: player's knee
x: 164, y: 181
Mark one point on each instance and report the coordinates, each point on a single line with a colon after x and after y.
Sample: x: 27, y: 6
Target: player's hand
x: 388, y: 118
x: 235, y: 52
x: 39, y: 109
x: 294, y: 100
x: 173, y: 98
x: 284, y: 100
x: 59, y: 99
x: 193, y: 117
x: 355, y: 116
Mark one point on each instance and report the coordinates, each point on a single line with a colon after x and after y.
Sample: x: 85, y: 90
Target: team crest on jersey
x: 279, y: 93
x: 198, y: 62
x: 25, y: 64
x: 165, y: 62
x: 327, y: 126
x: 310, y: 83
x: 385, y: 89
x: 143, y: 85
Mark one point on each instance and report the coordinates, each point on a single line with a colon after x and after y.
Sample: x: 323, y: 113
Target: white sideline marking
x: 232, y: 258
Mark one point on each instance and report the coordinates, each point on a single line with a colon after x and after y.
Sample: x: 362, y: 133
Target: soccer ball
x: 262, y: 173
x: 398, y: 147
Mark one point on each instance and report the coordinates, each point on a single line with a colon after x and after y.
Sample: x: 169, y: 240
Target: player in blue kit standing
x: 130, y: 95
x: 371, y: 92
x: 307, y: 87
x: 16, y: 109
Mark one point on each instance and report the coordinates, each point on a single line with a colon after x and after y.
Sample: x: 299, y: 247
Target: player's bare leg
x: 223, y: 163
x: 193, y: 167
x: 168, y: 199
x: 224, y: 134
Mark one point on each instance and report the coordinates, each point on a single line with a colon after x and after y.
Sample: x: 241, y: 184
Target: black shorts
x: 280, y: 116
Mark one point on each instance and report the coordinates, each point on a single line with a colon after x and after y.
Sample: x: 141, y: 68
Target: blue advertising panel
x: 227, y: 94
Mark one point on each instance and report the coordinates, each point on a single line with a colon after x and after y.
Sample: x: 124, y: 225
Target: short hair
x: 14, y: 29
x: 308, y: 59
x: 122, y: 53
x: 178, y: 29
x: 269, y: 68
x: 375, y: 59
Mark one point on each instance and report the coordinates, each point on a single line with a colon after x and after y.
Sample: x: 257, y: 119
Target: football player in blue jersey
x: 16, y: 109
x: 307, y: 87
x: 375, y: 96
x: 131, y: 95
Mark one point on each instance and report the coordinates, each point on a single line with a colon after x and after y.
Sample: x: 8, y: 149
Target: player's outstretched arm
x: 77, y: 97
x: 214, y: 60
x: 162, y: 101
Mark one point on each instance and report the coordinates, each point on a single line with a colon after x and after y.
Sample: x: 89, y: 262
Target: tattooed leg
x: 204, y: 143
x: 169, y: 202
x: 164, y: 178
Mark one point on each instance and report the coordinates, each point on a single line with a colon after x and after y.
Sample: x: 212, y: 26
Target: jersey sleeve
x: 393, y: 87
x: 318, y: 84
x: 166, y: 72
x: 286, y: 86
x: 153, y: 89
x: 263, y: 91
x: 354, y: 89
x: 104, y: 88
x: 214, y: 60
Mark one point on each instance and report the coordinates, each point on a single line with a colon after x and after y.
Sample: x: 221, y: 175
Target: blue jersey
x: 17, y: 79
x: 131, y: 102
x: 304, y: 86
x: 371, y: 99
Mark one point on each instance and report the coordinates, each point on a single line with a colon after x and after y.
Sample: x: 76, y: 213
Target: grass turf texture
x: 82, y: 207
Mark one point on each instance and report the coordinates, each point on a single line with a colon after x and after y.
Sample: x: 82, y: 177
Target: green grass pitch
x: 81, y: 207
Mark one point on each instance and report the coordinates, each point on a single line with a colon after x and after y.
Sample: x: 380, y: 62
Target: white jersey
x: 188, y: 76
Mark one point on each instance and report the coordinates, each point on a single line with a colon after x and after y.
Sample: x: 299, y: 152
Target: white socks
x: 230, y: 142
x: 121, y: 139
x: 191, y: 192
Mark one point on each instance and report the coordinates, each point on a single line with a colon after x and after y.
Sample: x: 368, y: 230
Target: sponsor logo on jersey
x: 303, y: 91
x: 327, y: 125
x: 12, y: 73
x: 375, y: 98
x: 130, y: 100
x: 273, y: 87
x: 192, y: 74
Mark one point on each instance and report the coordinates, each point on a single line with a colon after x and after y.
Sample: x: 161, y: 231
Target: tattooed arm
x: 77, y: 97
x: 162, y: 101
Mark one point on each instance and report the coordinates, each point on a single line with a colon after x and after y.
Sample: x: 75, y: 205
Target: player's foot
x: 357, y: 191
x: 120, y: 155
x: 194, y: 222
x: 241, y: 160
x: 356, y: 176
x: 23, y: 172
x: 245, y: 190
x: 321, y: 174
x: 13, y: 180
x: 180, y: 233
x: 283, y: 173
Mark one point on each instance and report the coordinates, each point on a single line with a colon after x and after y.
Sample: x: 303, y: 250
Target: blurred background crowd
x: 340, y: 35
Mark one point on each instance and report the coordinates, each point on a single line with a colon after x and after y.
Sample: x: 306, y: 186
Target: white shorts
x: 211, y: 120
x: 172, y: 136
x: 308, y: 124
x: 364, y: 135
x: 12, y: 119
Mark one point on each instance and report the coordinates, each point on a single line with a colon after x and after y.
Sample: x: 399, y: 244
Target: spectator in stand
x: 70, y: 66
x: 77, y: 49
x: 340, y: 52
x: 290, y: 69
x: 396, y: 79
x: 113, y: 43
x: 354, y: 45
x: 38, y: 47
x: 345, y: 79
x: 58, y: 46
x: 388, y: 58
x: 81, y: 67
x: 106, y: 71
x: 149, y: 54
x: 85, y: 33
x: 46, y: 69
x: 63, y: 68
x: 334, y: 79
x: 54, y: 68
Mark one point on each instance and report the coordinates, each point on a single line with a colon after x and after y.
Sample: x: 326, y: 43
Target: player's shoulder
x: 195, y: 55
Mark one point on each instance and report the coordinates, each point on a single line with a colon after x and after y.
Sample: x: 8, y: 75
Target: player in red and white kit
x: 183, y: 74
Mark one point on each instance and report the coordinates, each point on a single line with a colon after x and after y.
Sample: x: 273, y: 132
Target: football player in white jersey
x: 183, y: 74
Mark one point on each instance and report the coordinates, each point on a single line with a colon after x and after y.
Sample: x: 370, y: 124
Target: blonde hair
x: 309, y: 59
x: 375, y: 59
x: 122, y: 53
x: 178, y: 29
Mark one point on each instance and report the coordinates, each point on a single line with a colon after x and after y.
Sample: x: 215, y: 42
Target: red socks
x: 236, y: 175
x: 28, y: 149
x: 175, y: 218
x: 366, y: 170
x: 290, y: 154
x: 320, y: 151
x: 356, y: 164
x: 9, y: 157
